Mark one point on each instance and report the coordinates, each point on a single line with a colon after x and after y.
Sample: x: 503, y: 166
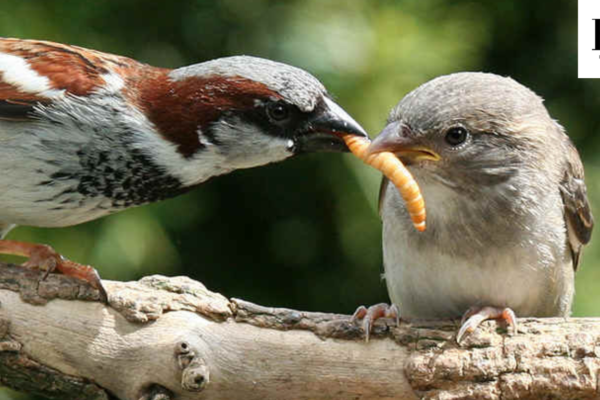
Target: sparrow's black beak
x: 324, y: 130
x: 398, y: 138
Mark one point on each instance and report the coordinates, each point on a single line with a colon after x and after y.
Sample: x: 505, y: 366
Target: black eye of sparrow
x: 278, y: 112
x: 456, y: 136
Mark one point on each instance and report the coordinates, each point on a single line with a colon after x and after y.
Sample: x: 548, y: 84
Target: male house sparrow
x: 84, y: 134
x: 506, y: 202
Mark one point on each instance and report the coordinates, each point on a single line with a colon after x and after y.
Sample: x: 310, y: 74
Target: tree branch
x: 166, y: 338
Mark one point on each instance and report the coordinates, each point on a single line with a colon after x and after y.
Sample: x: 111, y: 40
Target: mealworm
x: 395, y: 171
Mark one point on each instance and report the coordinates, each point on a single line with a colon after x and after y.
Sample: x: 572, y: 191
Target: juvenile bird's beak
x: 325, y: 129
x: 398, y: 138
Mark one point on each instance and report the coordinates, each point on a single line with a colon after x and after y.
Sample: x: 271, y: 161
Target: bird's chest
x: 432, y: 284
x: 75, y: 174
x: 486, y: 260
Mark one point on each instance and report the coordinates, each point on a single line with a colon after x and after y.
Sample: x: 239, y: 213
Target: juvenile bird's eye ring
x: 456, y: 136
x: 278, y: 112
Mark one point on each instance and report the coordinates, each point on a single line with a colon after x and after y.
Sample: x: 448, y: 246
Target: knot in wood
x: 195, y: 376
x: 184, y: 354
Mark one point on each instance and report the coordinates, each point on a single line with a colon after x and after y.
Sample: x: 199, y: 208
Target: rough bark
x: 166, y: 338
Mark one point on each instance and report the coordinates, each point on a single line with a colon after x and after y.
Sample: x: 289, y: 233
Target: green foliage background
x: 305, y: 233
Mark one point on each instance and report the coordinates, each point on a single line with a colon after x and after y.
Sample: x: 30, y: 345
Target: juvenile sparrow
x: 85, y: 134
x: 507, y: 211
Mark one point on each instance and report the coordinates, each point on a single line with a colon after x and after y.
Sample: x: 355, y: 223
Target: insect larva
x: 396, y: 172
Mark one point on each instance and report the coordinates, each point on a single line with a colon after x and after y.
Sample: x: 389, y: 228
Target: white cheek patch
x: 17, y: 72
x: 247, y: 146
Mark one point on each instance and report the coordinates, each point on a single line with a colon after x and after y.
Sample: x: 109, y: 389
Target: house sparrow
x: 85, y: 134
x: 506, y: 202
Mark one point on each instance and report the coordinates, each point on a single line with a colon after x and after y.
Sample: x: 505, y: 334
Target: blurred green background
x: 305, y: 233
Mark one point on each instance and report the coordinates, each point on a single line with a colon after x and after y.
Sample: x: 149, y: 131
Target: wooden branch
x: 166, y: 338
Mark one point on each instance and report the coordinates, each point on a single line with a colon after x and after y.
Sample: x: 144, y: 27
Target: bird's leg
x: 474, y: 316
x: 46, y: 258
x: 373, y: 313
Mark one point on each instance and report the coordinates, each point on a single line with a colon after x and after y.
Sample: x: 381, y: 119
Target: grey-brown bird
x: 507, y: 210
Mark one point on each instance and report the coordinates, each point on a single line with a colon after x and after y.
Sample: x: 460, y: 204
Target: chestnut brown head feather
x: 181, y: 110
x: 186, y: 103
x: 294, y: 85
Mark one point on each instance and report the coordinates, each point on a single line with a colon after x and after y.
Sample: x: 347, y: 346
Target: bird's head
x: 469, y: 131
x: 249, y: 111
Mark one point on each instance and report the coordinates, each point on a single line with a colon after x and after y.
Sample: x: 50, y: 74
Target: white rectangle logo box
x: 589, y: 39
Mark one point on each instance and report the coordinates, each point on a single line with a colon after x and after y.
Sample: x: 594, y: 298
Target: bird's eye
x: 278, y: 112
x: 456, y: 136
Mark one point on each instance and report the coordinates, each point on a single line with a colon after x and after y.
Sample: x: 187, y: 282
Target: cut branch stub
x: 195, y: 376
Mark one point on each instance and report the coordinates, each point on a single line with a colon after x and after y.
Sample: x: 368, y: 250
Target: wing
x: 382, y: 190
x: 16, y: 110
x: 37, y: 72
x: 578, y: 215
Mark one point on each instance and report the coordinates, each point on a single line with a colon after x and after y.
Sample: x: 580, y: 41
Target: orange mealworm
x: 395, y: 171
